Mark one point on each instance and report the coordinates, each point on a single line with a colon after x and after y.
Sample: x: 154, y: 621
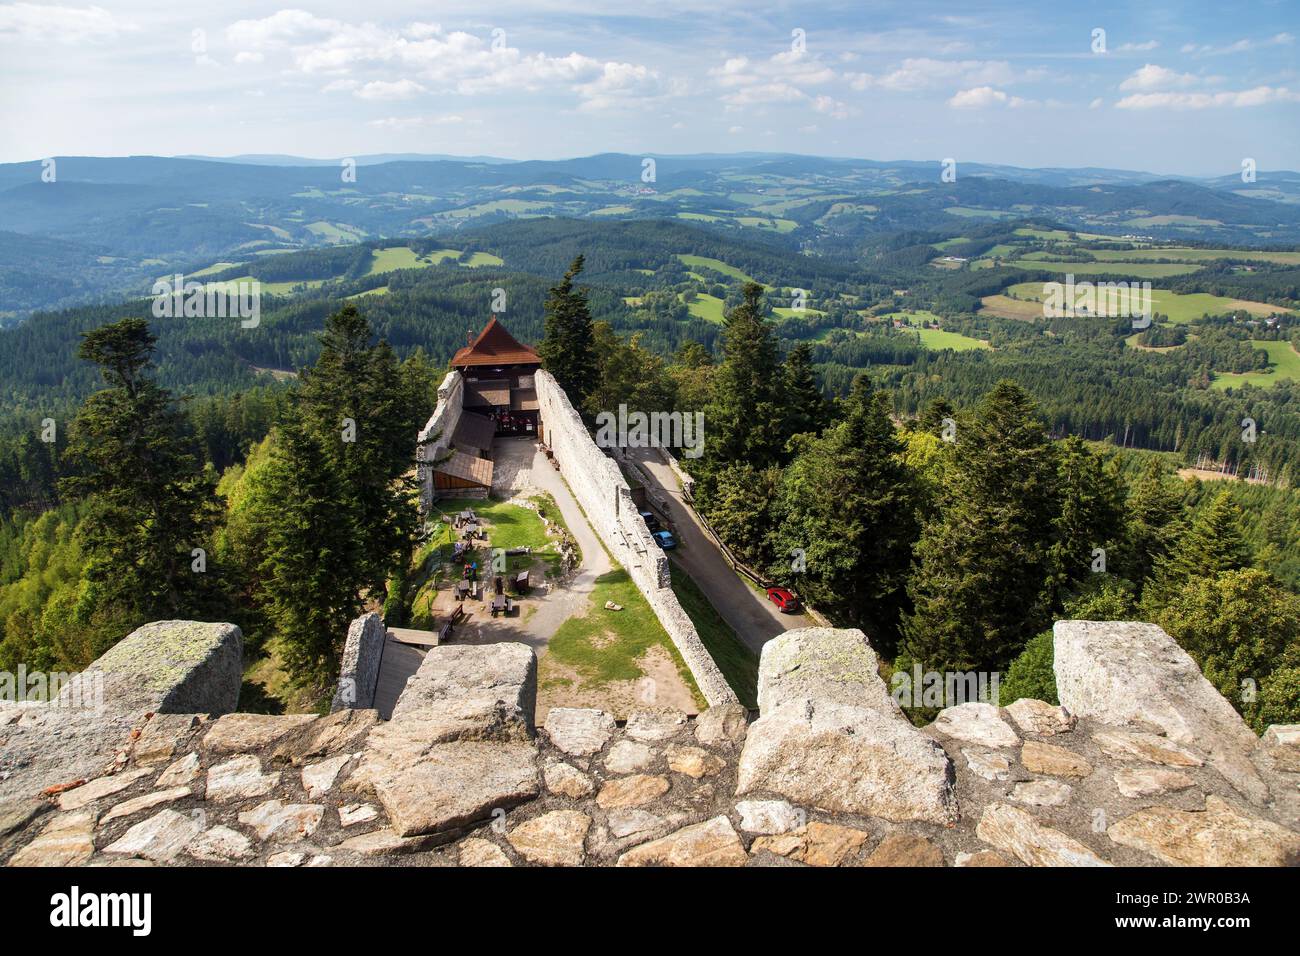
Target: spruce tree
x: 355, y: 403
x: 311, y: 562
x: 1091, y: 516
x: 149, y: 503
x: 744, y: 421
x: 806, y: 409
x: 1214, y: 543
x: 979, y: 585
x: 568, y: 349
x: 847, y: 514
x: 1155, y: 510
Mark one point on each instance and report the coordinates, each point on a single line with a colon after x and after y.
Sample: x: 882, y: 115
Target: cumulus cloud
x: 979, y: 97
x: 1153, y: 77
x: 422, y: 57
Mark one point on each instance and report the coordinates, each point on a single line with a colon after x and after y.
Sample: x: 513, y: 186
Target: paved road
x: 754, y: 618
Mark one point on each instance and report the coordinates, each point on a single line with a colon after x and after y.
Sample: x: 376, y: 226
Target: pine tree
x: 131, y: 458
x: 568, y: 350
x: 806, y: 409
x: 979, y: 587
x: 847, y: 515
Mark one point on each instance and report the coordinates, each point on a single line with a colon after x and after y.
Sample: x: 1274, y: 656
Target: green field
x: 1183, y: 254
x: 1180, y: 307
x: 786, y: 312
x: 1285, y: 364
x: 333, y: 232
x: 1143, y: 270
x: 403, y: 257
x: 717, y: 265
x: 777, y: 225
x: 707, y: 307
x: 939, y: 339
x: 478, y: 259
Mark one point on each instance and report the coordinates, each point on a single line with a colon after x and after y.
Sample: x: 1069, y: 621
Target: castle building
x: 498, y: 373
x: 489, y: 393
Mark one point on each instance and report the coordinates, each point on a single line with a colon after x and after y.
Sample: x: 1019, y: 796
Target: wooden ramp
x: 404, y: 651
x: 408, y: 635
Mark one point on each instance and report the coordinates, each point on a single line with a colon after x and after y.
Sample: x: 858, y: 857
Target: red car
x: 783, y: 599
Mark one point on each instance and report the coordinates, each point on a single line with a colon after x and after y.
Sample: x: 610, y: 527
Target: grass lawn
x: 738, y: 664
x: 509, y: 526
x: 604, y: 646
x: 1285, y: 364
x: 477, y: 259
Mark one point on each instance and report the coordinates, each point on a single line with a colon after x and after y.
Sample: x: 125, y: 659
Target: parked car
x: 650, y: 520
x: 784, y: 599
x: 664, y: 539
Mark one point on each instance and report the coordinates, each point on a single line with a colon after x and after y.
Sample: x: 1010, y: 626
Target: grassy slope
x: 738, y: 665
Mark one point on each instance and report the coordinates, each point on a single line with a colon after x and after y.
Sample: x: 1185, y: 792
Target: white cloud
x: 67, y: 25
x: 1238, y: 46
x: 980, y: 97
x: 422, y: 57
x: 1153, y: 77
x: 1138, y: 47
x: 398, y: 90
x: 1258, y: 96
x: 918, y: 74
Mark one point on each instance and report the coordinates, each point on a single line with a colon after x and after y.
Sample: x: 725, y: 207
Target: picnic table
x: 462, y: 589
x: 500, y: 604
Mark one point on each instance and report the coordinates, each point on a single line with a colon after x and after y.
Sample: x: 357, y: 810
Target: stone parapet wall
x: 359, y: 668
x: 603, y: 492
x: 831, y: 774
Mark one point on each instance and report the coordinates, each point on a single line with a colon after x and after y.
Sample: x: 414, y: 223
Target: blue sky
x: 1188, y: 88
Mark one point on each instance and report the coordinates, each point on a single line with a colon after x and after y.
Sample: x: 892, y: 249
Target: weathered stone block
x: 1122, y: 672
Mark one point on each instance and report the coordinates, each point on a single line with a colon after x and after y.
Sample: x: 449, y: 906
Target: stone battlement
x: 1143, y: 767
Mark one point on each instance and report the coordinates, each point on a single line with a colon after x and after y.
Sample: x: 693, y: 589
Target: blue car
x: 665, y: 540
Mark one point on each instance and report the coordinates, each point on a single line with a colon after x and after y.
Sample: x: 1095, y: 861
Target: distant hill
x: 122, y: 220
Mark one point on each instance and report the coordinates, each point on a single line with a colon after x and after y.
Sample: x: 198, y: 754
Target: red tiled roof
x: 495, y: 346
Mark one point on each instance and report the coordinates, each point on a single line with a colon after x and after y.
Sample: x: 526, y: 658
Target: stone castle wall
x: 601, y: 490
x: 831, y: 773
x: 435, y: 438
